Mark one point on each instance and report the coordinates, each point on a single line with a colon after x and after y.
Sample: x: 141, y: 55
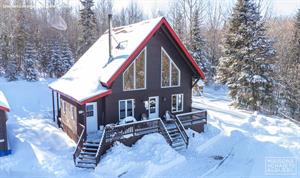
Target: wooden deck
x: 129, y: 133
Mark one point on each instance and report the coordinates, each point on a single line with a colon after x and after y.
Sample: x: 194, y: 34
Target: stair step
x: 175, y: 134
x: 178, y: 140
x: 90, y: 144
x: 174, y: 145
x: 89, y: 149
x: 86, y: 166
x: 85, y: 157
x: 86, y: 162
x: 172, y: 130
x: 88, y: 153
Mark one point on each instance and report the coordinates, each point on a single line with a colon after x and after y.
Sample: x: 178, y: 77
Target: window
x: 63, y: 106
x: 170, y: 74
x: 134, y: 77
x: 73, y: 110
x: 126, y: 108
x: 177, y: 103
x: 89, y: 110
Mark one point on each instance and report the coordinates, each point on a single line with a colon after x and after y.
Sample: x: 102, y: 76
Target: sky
x: 280, y: 7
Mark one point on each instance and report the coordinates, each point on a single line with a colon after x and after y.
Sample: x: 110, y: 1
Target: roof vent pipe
x: 109, y: 35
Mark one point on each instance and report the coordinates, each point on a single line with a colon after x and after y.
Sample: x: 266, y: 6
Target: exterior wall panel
x: 153, y: 84
x: 3, y: 133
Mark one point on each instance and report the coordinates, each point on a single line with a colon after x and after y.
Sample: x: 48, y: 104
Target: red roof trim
x: 4, y: 109
x: 87, y: 100
x: 108, y: 92
x: 143, y: 44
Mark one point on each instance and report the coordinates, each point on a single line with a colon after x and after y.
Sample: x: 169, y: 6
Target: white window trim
x: 133, y: 107
x: 134, y: 72
x: 73, y: 112
x: 63, y: 106
x: 181, y: 109
x: 170, y: 70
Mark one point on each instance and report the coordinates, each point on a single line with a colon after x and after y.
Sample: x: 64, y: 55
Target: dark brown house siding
x: 3, y: 134
x: 153, y: 85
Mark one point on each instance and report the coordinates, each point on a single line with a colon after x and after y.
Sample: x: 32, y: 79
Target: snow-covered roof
x: 84, y: 81
x: 3, y: 102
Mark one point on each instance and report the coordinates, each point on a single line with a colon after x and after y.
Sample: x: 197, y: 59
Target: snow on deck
x: 84, y: 79
x: 3, y: 101
x: 236, y: 143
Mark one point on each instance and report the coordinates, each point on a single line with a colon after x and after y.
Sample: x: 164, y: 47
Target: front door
x: 153, y: 107
x: 91, y: 117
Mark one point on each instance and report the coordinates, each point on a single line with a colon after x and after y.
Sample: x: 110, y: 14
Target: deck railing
x: 139, y: 128
x: 195, y: 117
x: 80, y: 142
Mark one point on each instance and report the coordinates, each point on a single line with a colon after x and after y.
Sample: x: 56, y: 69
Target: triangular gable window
x: 134, y: 77
x: 170, y: 73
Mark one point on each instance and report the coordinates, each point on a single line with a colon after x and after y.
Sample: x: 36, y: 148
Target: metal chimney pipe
x: 109, y: 35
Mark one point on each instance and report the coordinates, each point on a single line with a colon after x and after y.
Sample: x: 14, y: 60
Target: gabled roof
x: 3, y: 102
x: 93, y: 74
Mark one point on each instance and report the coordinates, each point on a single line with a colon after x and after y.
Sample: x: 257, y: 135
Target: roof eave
x: 4, y: 109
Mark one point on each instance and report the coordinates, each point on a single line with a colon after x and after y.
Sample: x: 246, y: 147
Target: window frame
x: 177, y: 103
x: 126, y: 101
x: 73, y: 112
x: 170, y: 70
x: 134, y: 72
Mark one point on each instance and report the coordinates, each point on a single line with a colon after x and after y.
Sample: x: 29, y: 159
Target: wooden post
x: 58, y: 110
x: 53, y: 106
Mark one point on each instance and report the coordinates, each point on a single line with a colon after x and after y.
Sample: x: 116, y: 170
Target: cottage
x: 4, y: 107
x: 134, y: 80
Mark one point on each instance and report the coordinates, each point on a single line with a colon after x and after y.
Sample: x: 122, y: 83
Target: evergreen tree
x: 11, y: 70
x: 8, y: 60
x: 55, y: 63
x: 66, y: 56
x: 88, y: 27
x: 20, y: 35
x: 4, y: 52
x: 30, y: 72
x: 247, y: 67
x: 292, y: 74
x: 197, y: 46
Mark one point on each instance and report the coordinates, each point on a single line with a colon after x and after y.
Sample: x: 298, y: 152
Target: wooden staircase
x: 178, y: 143
x: 87, y: 156
x: 180, y: 139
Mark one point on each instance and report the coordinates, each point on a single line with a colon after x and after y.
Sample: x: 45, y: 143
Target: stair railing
x: 101, y: 148
x: 79, y: 144
x: 163, y: 130
x: 182, y: 131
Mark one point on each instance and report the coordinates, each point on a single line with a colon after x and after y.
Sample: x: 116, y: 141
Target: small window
x: 134, y: 77
x: 89, y: 110
x: 177, y: 103
x: 126, y: 108
x: 64, y: 107
x: 170, y: 73
x: 73, y: 110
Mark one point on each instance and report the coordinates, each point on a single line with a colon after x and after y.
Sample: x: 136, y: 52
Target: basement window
x: 134, y: 77
x: 170, y: 73
x: 177, y: 103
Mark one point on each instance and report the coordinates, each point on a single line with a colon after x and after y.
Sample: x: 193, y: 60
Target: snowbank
x: 27, y: 98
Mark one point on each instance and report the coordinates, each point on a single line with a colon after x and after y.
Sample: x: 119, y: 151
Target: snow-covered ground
x: 235, y: 143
